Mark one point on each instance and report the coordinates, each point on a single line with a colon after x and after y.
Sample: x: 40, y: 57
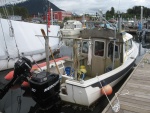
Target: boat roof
x: 127, y: 36
x: 73, y: 21
x: 104, y: 34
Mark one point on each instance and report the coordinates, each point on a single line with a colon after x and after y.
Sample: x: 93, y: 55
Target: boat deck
x: 134, y: 95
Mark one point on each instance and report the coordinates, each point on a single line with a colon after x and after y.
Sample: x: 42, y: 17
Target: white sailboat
x: 19, y: 38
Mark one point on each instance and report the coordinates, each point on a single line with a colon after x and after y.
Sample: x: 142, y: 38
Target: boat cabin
x: 98, y: 44
x: 72, y: 24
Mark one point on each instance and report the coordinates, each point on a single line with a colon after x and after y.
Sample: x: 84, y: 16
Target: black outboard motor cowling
x: 45, y: 89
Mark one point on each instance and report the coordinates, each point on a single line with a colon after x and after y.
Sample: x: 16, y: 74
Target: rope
x: 104, y: 92
x: 116, y: 106
x: 11, y: 31
x: 36, y: 64
x: 11, y: 28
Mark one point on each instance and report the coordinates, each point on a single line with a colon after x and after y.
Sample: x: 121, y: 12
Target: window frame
x: 118, y: 50
x: 82, y: 47
x: 127, y: 47
x: 103, y: 49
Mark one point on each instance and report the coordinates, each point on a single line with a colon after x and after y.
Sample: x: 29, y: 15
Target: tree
x: 131, y: 12
x: 112, y: 11
x: 21, y: 11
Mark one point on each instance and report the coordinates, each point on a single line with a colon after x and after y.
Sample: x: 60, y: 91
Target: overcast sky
x: 91, y: 6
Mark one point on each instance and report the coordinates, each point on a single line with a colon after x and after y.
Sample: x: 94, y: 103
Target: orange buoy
x: 9, y: 76
x: 106, y: 90
x: 25, y: 84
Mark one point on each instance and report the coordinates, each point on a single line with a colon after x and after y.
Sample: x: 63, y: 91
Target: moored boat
x: 72, y: 27
x: 97, y: 59
x: 98, y: 62
x: 19, y: 38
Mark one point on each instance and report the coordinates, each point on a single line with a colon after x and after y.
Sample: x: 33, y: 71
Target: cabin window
x: 85, y: 47
x: 99, y: 48
x: 110, y: 50
x: 128, y: 45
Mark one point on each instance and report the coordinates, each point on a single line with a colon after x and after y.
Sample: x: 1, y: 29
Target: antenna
x: 101, y: 15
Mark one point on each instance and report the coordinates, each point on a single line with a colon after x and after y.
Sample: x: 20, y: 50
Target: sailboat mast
x: 47, y: 42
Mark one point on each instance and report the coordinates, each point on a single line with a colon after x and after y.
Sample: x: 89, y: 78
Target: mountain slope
x: 38, y: 6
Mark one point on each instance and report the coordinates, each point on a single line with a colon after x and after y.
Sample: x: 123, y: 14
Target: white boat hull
x: 87, y: 92
x: 27, y: 41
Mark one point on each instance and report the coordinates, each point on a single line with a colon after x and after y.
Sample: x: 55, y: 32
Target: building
x: 60, y: 15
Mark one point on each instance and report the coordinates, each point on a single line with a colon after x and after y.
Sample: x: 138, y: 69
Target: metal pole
x: 83, y: 19
x: 47, y: 44
x: 113, y: 65
x: 141, y: 18
x: 119, y: 25
x: 51, y: 16
x: 141, y: 29
x: 134, y: 20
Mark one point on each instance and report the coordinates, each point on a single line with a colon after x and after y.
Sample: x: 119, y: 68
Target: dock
x: 134, y: 95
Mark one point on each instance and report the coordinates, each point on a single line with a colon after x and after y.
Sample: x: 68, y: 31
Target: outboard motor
x: 21, y: 71
x: 45, y: 89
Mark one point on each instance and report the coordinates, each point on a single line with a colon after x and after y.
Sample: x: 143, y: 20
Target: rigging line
x: 6, y: 13
x: 41, y: 41
x: 15, y: 41
x: 11, y: 27
x: 36, y: 63
x: 4, y: 39
x: 16, y: 46
x: 119, y: 5
x: 4, y: 9
x: 9, y: 21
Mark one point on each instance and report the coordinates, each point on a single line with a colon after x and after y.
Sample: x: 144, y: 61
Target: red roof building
x: 60, y: 15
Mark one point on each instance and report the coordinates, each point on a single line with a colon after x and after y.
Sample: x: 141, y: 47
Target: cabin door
x: 98, y: 57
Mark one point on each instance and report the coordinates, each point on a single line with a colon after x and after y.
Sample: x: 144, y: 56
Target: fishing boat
x: 97, y: 58
x: 100, y: 57
x: 20, y: 38
x: 72, y: 27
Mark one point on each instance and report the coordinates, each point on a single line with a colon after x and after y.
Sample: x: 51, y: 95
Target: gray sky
x: 91, y: 6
